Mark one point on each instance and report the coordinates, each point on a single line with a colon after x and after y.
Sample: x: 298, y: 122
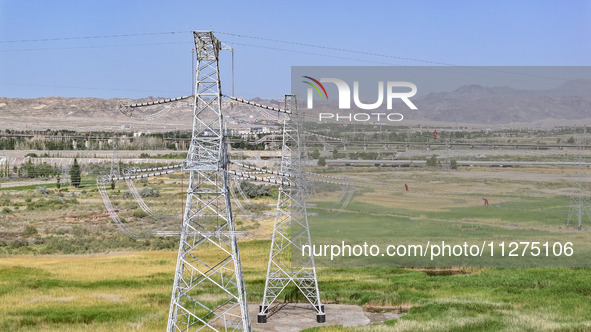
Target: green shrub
x: 315, y: 154
x: 30, y: 230
x: 432, y: 162
x: 18, y: 243
x: 5, y: 200
x: 164, y: 243
x: 149, y: 192
x: 140, y: 213
x: 58, y: 203
x: 75, y: 174
x: 253, y: 190
x: 453, y: 164
x: 42, y: 190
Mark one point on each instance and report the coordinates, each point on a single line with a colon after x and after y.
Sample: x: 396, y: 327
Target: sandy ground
x: 296, y: 317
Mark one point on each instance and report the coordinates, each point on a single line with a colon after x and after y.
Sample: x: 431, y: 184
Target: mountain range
x: 568, y: 103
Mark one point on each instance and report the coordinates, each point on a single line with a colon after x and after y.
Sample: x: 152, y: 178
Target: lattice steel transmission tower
x: 115, y: 169
x: 291, y: 230
x: 579, y: 200
x: 208, y: 259
x: 446, y: 163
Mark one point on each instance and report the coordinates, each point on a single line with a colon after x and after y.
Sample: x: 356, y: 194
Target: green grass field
x: 131, y: 292
x: 120, y: 284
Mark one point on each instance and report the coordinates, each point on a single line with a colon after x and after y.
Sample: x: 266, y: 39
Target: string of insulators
x: 141, y: 176
x: 323, y: 136
x: 262, y: 170
x: 262, y: 179
x: 326, y: 176
x: 244, y: 101
x: 201, y: 233
x: 333, y: 182
x: 158, y: 102
x: 162, y: 168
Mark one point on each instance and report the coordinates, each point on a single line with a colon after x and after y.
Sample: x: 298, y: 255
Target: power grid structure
x: 291, y: 230
x: 208, y: 224
x: 208, y: 260
x: 446, y: 162
x: 579, y: 200
x: 208, y: 193
x: 115, y: 169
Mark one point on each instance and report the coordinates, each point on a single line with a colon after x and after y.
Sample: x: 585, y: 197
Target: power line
x: 365, y: 53
x: 308, y: 53
x: 88, y: 47
x: 88, y: 88
x: 483, y: 69
x: 225, y: 33
x: 336, y: 49
x: 94, y: 37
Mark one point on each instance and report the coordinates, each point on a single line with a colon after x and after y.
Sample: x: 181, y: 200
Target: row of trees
x: 29, y: 170
x: 145, y: 142
x: 431, y: 162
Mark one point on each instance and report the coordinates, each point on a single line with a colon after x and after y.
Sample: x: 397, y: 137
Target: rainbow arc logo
x: 316, y: 87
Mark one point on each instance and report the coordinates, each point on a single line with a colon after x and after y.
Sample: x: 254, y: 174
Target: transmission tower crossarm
x: 158, y: 102
x: 332, y: 182
x: 260, y: 178
x: 248, y: 102
x: 127, y: 108
x: 326, y: 176
x: 324, y: 136
x: 262, y: 170
x: 200, y: 233
x: 161, y: 168
x: 142, y: 176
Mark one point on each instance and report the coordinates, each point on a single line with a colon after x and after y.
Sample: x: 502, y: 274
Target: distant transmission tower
x: 115, y: 171
x: 579, y: 200
x: 446, y: 165
x: 291, y: 230
x: 208, y: 257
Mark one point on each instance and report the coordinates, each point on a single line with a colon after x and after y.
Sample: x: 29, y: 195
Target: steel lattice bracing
x: 446, y: 163
x: 579, y: 200
x: 291, y: 229
x: 208, y: 291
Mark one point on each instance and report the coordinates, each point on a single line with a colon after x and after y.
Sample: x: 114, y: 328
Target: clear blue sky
x: 470, y: 32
